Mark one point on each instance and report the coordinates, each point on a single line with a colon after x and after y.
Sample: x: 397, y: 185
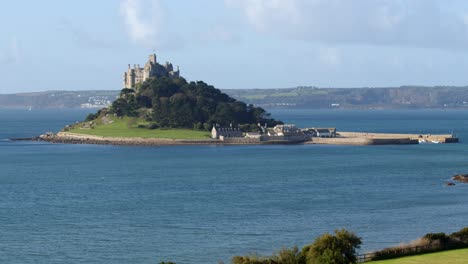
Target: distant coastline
x: 405, y: 97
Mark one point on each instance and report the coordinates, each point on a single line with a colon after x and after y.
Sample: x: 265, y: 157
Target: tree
x: 333, y: 249
x: 172, y: 102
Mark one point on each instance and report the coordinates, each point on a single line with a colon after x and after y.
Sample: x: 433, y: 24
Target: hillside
x: 392, y: 97
x: 162, y: 104
x: 299, y: 97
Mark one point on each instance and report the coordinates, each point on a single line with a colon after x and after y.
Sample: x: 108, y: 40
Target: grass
x: 459, y: 256
x: 128, y: 127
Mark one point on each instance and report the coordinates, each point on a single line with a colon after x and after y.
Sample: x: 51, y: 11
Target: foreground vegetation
x: 329, y: 248
x: 340, y: 248
x: 134, y: 127
x: 459, y: 256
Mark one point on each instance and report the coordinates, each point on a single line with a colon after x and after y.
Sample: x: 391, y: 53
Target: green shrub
x: 153, y: 126
x: 284, y: 256
x: 461, y: 236
x: 207, y: 126
x: 333, y: 249
x: 441, y: 238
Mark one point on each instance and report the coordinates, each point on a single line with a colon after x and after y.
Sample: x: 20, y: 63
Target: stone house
x: 224, y: 132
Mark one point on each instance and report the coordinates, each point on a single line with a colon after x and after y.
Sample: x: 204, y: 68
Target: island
x: 157, y: 106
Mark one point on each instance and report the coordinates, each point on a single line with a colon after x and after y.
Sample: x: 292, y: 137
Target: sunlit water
x: 203, y: 204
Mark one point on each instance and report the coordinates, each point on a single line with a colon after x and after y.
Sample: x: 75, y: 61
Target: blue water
x: 203, y: 204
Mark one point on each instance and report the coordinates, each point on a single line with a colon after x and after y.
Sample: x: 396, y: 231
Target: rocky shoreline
x: 72, y: 138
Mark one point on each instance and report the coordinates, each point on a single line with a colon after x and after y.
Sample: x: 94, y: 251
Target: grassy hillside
x: 134, y: 127
x: 459, y: 256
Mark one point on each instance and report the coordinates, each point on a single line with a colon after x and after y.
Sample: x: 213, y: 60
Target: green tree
x: 333, y: 249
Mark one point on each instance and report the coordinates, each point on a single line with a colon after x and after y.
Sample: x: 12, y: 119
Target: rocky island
x: 157, y: 106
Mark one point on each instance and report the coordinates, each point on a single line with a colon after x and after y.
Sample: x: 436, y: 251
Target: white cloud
x: 417, y: 23
x: 144, y: 20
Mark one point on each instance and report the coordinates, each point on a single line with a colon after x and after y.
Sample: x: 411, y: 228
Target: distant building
x: 320, y: 132
x: 286, y: 130
x: 152, y: 69
x: 224, y: 132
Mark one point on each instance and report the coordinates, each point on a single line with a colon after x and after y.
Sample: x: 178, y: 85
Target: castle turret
x: 152, y: 58
x: 150, y: 69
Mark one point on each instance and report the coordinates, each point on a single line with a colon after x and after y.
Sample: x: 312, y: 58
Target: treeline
x: 176, y: 103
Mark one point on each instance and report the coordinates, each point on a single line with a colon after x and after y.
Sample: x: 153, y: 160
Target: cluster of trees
x: 177, y: 103
x: 338, y: 248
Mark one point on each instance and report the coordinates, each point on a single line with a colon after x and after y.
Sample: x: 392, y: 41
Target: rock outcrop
x: 461, y: 178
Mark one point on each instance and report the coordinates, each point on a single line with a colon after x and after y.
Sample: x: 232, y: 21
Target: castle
x: 152, y: 69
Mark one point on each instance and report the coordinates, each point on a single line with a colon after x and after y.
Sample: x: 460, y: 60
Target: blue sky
x: 86, y: 45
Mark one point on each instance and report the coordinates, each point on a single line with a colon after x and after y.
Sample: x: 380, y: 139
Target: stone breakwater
x: 443, y: 138
x: 344, y: 138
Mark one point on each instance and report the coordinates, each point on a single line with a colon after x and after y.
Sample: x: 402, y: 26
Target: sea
x: 63, y: 203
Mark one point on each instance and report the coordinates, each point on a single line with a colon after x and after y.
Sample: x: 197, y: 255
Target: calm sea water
x: 202, y: 204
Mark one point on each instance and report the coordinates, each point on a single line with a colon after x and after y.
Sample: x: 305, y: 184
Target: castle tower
x: 151, y: 69
x: 152, y: 58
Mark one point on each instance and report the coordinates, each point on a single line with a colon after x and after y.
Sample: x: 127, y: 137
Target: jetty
x: 363, y: 138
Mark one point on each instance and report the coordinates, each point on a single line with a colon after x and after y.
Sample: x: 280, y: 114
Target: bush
x: 90, y: 117
x: 207, y: 126
x: 153, y: 126
x: 461, y: 236
x: 333, y: 249
x: 198, y: 126
x: 441, y: 238
x: 284, y: 256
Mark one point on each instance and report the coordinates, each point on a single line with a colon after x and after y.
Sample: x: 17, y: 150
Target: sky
x: 87, y: 45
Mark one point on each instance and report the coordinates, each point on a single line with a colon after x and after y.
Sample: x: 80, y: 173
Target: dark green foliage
x: 126, y: 91
x: 176, y: 103
x: 461, y: 236
x: 441, y: 238
x: 327, y: 249
x: 91, y: 116
x: 250, y: 128
x: 284, y: 256
x: 207, y: 126
x: 125, y: 106
x: 333, y: 249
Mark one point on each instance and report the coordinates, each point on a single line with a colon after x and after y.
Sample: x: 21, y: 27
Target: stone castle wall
x: 151, y: 69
